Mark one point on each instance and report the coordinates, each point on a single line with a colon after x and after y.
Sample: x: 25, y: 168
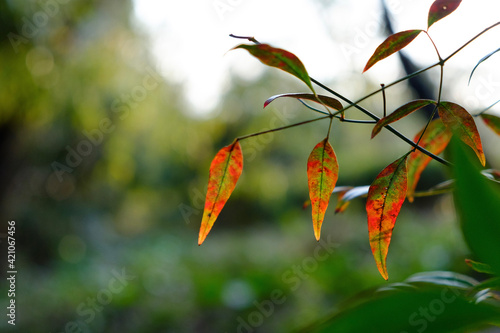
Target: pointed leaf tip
x: 440, y: 9
x: 322, y: 175
x: 225, y: 171
x: 461, y: 123
x: 279, y: 58
x: 385, y: 198
x: 391, y: 45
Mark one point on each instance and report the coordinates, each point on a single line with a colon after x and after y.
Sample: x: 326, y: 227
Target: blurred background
x: 111, y: 112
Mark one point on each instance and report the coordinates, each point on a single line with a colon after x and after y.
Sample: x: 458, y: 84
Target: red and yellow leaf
x: 328, y: 101
x: 435, y: 140
x: 385, y: 198
x: 492, y: 122
x: 440, y: 9
x: 279, y: 58
x: 400, y: 112
x: 391, y: 45
x: 461, y: 123
x: 225, y: 170
x: 322, y: 175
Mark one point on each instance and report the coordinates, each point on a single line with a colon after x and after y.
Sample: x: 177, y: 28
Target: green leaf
x: 279, y: 58
x: 477, y: 203
x: 400, y: 112
x: 328, y: 101
x: 225, y: 171
x: 435, y: 140
x: 479, y: 267
x: 440, y: 9
x: 480, y: 61
x: 429, y: 310
x: 385, y: 198
x: 492, y: 122
x: 322, y: 175
x: 461, y: 123
x: 391, y: 45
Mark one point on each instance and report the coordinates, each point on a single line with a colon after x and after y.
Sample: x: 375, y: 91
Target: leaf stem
x: 280, y: 128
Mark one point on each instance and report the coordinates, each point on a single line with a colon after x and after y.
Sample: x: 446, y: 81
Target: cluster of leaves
x: 397, y: 181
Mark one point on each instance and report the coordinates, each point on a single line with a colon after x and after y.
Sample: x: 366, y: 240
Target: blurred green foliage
x: 104, y: 172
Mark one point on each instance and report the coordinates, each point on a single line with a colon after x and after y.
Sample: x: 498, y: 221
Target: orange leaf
x: 440, y: 9
x: 493, y: 122
x: 385, y: 198
x: 279, y: 58
x: 391, y: 45
x: 225, y: 170
x: 461, y: 123
x: 399, y: 113
x: 322, y: 175
x: 435, y: 140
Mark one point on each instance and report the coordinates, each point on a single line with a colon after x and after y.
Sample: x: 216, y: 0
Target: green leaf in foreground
x: 430, y: 310
x: 391, y: 45
x: 279, y: 58
x: 477, y: 203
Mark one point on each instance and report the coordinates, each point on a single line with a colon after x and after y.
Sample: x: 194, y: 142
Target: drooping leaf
x: 461, y: 123
x: 480, y: 61
x: 479, y: 266
x: 225, y: 171
x: 322, y: 175
x: 391, y: 45
x: 435, y: 140
x: 442, y: 279
x: 493, y: 122
x: 279, y: 58
x: 328, y: 101
x: 477, y: 203
x: 345, y: 199
x: 385, y: 198
x: 401, y: 112
x: 440, y: 9
x: 409, y: 310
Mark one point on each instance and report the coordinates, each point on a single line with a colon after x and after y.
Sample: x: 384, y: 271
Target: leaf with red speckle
x: 322, y: 175
x: 328, y: 101
x: 225, y: 171
x: 440, y: 9
x: 435, y: 140
x: 391, y: 45
x: 493, y: 122
x: 385, y: 198
x: 399, y: 113
x: 461, y: 123
x: 279, y: 58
